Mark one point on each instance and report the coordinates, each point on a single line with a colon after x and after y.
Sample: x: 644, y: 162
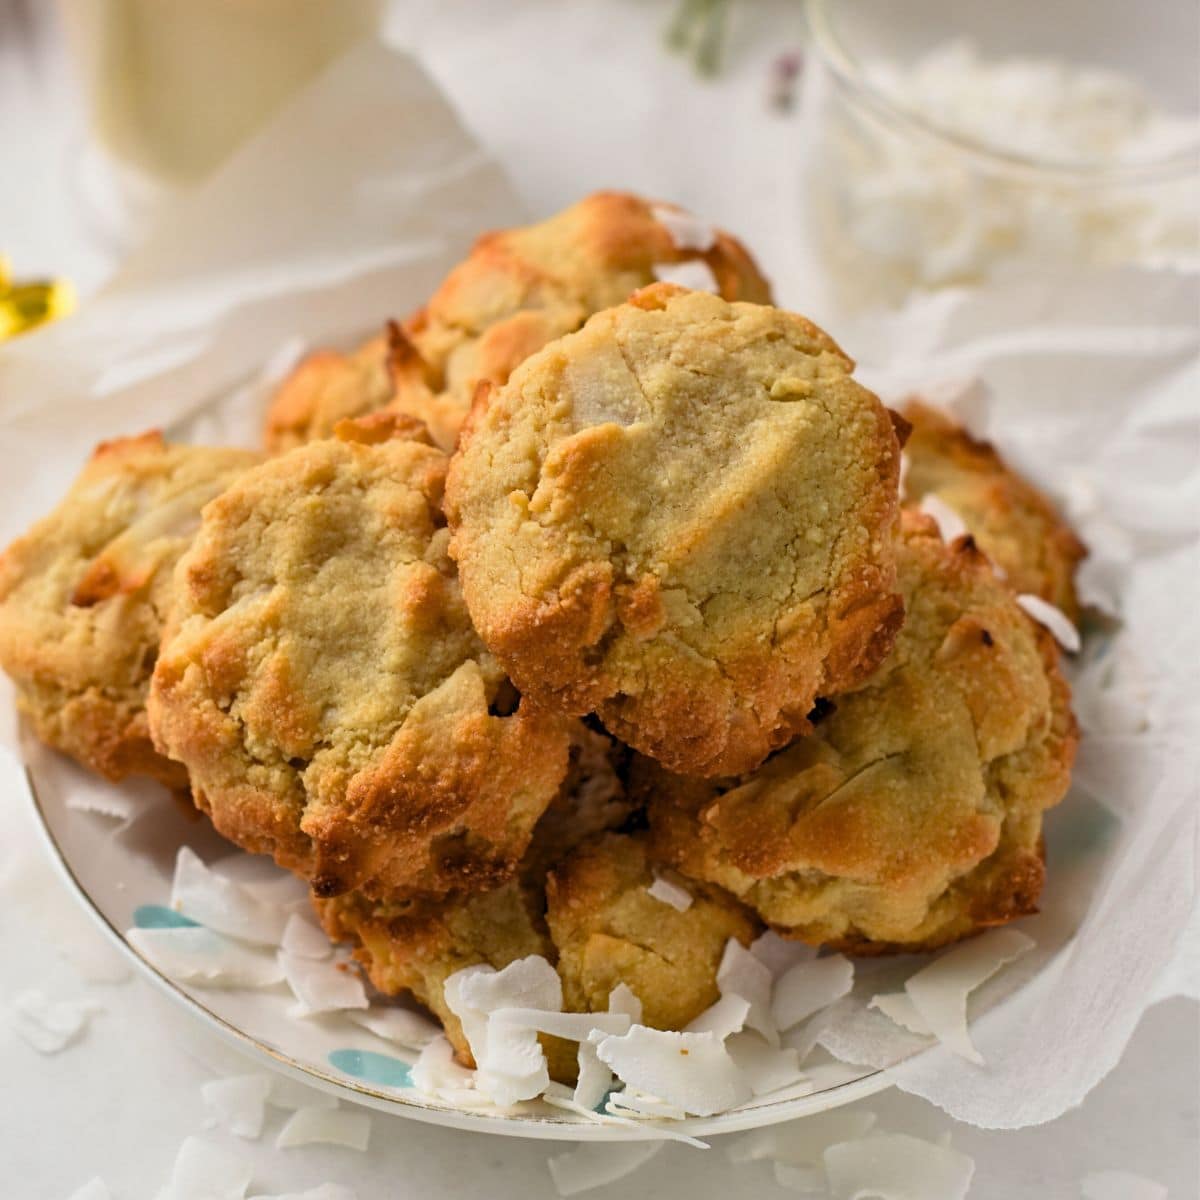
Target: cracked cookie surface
x: 912, y: 815
x: 1014, y: 523
x: 321, y: 681
x: 515, y: 291
x: 83, y: 597
x: 681, y: 518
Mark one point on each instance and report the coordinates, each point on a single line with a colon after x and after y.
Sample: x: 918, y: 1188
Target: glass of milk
x: 172, y: 87
x: 954, y: 143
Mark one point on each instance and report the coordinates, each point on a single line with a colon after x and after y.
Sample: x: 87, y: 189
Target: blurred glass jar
x: 955, y: 143
x: 173, y: 86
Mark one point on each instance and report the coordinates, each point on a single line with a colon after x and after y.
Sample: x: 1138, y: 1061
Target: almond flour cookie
x: 517, y: 290
x: 607, y: 929
x: 84, y: 593
x: 323, y: 685
x: 681, y: 518
x: 1013, y: 523
x: 912, y: 815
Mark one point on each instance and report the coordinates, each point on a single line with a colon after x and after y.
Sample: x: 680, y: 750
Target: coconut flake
x: 395, y: 1024
x: 687, y: 231
x: 1054, y: 619
x: 939, y: 991
x: 810, y: 986
x: 743, y: 974
x: 950, y: 524
x: 49, y: 1025
x: 778, y: 954
x: 643, y: 1107
x: 94, y: 1189
x: 1120, y: 1185
x: 192, y: 954
x: 574, y: 1027
x: 802, y: 1143
x: 691, y: 1071
x: 679, y: 898
x: 326, y: 1191
x: 331, y: 1126
x: 896, y: 1166
x: 725, y: 1017
x: 593, y: 1166
x: 266, y: 882
x: 221, y: 905
x: 204, y: 1171
x: 623, y: 999
x: 696, y: 275
x: 594, y: 1078
x: 321, y: 986
x: 510, y: 1062
x: 238, y: 1103
x: 898, y: 1007
x: 436, y: 1073
x: 803, y: 1037
x: 766, y: 1068
x: 304, y: 939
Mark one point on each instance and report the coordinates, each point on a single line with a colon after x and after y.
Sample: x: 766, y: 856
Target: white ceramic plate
x: 116, y: 848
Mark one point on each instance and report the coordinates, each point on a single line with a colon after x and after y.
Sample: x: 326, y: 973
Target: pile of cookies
x: 581, y: 614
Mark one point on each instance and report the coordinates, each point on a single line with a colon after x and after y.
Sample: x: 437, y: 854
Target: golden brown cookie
x: 517, y: 290
x: 912, y: 815
x: 323, y: 685
x: 681, y: 518
x: 336, y: 386
x: 416, y: 945
x: 1013, y: 523
x: 84, y: 593
x: 607, y: 929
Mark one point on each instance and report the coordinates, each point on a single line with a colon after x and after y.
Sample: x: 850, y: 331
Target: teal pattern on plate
x: 372, y: 1067
x: 158, y: 916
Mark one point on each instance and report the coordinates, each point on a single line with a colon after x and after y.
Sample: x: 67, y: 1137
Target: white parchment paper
x: 351, y: 206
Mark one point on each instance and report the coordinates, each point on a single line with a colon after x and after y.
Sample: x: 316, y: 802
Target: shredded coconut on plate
x: 743, y: 974
x: 304, y: 939
x: 810, y: 986
x: 939, y: 992
x: 896, y: 1166
x: 777, y: 954
x: 238, y: 1103
x: 696, y: 275
x: 691, y: 1071
x: 193, y: 954
x: 330, y: 1126
x: 766, y: 1068
x: 221, y: 905
x: 396, y: 1024
x: 49, y: 1025
x: 724, y: 1018
x: 679, y: 898
x: 623, y: 999
x: 321, y: 986
x: 205, y: 1171
x: 1054, y: 619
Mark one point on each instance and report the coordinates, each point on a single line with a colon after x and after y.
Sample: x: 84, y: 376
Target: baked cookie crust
x: 84, y: 594
x: 681, y: 518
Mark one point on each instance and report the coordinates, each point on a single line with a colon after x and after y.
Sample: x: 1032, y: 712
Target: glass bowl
x: 955, y: 143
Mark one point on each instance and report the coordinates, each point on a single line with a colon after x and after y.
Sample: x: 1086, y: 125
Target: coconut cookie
x: 323, y: 685
x: 912, y: 815
x: 517, y: 290
x: 681, y: 518
x: 84, y: 593
x: 608, y: 929
x: 1014, y: 524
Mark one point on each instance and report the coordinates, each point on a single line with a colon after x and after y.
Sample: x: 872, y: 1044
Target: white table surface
x: 576, y: 77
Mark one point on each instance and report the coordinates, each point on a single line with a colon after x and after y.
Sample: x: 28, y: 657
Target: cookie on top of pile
x: 571, y: 581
